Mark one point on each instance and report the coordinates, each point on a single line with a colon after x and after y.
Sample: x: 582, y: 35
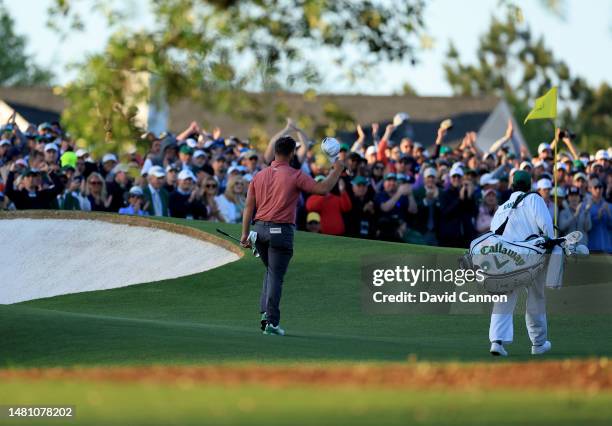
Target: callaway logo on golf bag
x: 505, y: 265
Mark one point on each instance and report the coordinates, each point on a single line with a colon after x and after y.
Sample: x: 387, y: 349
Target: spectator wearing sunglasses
x: 95, y: 191
x: 209, y: 194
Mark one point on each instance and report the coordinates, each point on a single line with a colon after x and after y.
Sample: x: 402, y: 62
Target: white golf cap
x: 560, y: 192
x: 602, y: 155
x: 525, y: 164
x: 51, y: 147
x: 580, y: 175
x: 5, y: 142
x: 109, y: 157
x: 487, y: 179
x: 199, y: 153
x: 191, y: 143
x: 561, y: 166
x: 456, y: 171
x: 81, y: 152
x: 544, y: 184
x: 186, y: 174
x: 370, y: 150
x: 136, y: 190
x: 233, y: 169
x: 120, y: 168
x: 430, y: 171
x: 543, y: 147
x: 157, y: 171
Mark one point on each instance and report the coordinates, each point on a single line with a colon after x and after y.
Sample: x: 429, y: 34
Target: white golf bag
x: 508, y: 265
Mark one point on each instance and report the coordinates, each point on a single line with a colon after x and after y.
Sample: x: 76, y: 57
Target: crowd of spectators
x: 393, y: 190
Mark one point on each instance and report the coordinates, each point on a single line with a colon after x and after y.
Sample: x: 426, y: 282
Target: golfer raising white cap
x: 274, y: 193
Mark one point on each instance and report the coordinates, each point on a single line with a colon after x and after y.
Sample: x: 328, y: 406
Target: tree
x: 513, y: 65
x: 211, y: 50
x: 16, y: 67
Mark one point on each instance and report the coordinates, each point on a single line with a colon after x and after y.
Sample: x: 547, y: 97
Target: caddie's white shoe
x: 541, y: 349
x: 497, y: 349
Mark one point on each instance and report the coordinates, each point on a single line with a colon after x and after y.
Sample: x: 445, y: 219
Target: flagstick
x: 554, y: 166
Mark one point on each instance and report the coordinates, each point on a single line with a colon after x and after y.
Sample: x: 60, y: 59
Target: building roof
x: 38, y: 104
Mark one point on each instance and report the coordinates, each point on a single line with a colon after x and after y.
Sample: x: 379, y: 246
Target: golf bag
x: 506, y: 265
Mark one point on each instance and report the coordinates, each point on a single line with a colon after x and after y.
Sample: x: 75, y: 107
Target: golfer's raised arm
x: 323, y: 187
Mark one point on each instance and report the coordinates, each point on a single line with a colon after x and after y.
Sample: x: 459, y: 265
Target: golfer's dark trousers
x: 275, y: 246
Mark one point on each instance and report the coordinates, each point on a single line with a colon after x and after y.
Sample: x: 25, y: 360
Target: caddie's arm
x: 323, y: 187
x: 247, y: 215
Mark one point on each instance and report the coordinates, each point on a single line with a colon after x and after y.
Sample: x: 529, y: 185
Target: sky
x: 583, y: 40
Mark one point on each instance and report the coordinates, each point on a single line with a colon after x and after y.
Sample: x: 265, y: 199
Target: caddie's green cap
x: 578, y: 165
x: 359, y: 180
x: 186, y: 149
x: 521, y: 176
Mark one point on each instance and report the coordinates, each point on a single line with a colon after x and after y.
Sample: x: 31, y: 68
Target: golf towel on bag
x: 505, y: 265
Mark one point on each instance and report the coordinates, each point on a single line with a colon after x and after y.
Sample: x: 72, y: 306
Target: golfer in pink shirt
x: 273, y: 194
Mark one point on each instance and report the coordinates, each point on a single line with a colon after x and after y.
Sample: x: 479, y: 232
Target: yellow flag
x: 545, y: 106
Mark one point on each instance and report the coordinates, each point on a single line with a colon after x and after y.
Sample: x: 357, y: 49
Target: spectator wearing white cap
x: 51, y: 154
x: 156, y: 196
x: 183, y: 202
x: 109, y: 161
x: 82, y: 153
x: 580, y: 182
x: 458, y: 209
x: 544, y: 151
x: 544, y: 188
x: 562, y: 173
x: 135, y: 202
x: 370, y: 154
x: 231, y: 202
x: 171, y: 178
x: 117, y: 186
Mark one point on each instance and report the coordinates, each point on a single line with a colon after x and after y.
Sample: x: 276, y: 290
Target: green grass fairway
x: 214, y: 317
x: 157, y: 404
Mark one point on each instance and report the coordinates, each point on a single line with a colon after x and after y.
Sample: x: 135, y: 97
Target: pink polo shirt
x: 277, y: 189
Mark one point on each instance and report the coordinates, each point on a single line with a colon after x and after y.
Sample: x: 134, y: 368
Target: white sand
x: 42, y: 258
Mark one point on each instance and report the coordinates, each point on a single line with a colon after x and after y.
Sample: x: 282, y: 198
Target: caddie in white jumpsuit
x: 530, y: 217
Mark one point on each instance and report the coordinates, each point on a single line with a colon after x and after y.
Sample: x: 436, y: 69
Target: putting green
x: 214, y: 317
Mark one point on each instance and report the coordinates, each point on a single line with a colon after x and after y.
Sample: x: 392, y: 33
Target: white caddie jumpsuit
x: 530, y: 217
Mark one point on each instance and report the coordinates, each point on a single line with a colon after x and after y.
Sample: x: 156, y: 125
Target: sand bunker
x: 49, y: 257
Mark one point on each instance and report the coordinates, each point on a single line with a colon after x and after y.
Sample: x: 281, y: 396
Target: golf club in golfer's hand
x: 252, y: 239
